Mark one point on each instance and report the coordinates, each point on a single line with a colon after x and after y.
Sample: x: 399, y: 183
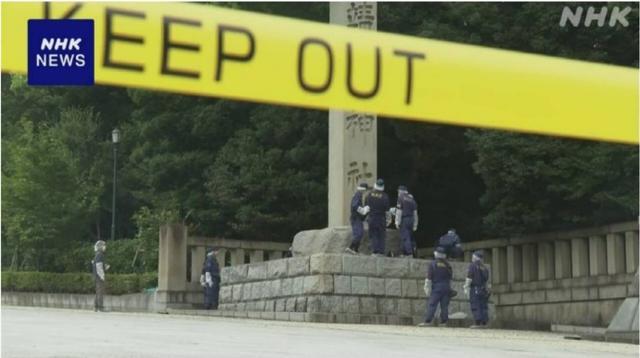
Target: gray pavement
x: 44, y: 332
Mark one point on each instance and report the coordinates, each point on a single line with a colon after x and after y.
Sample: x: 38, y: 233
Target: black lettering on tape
x: 222, y: 56
x: 303, y: 84
x: 167, y: 45
x: 68, y: 14
x: 410, y: 56
x: 110, y: 37
x: 352, y: 90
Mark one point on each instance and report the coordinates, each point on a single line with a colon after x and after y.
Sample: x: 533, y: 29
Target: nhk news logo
x: 61, y: 52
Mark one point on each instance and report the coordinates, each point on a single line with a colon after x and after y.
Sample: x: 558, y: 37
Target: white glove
x: 427, y: 287
x: 106, y: 267
x: 366, y: 210
x: 208, y: 279
x: 415, y: 220
x: 202, y: 282
x: 467, y: 287
x: 360, y: 210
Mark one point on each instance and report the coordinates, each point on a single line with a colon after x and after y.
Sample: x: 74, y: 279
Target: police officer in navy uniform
x: 358, y: 214
x: 99, y: 274
x: 477, y: 288
x: 406, y: 220
x: 437, y: 287
x: 451, y: 243
x: 210, y: 280
x: 378, y: 202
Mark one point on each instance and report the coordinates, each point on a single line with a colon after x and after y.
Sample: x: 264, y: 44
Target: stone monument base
x: 336, y: 288
x: 333, y: 240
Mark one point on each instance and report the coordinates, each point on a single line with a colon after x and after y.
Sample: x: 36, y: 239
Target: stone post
x: 546, y: 261
x: 198, y: 254
x: 514, y: 264
x: 256, y: 256
x: 353, y: 138
x: 529, y: 263
x: 631, y: 251
x: 499, y: 265
x: 274, y: 255
x: 579, y: 257
x: 563, y: 258
x: 237, y: 257
x: 221, y: 257
x: 615, y: 253
x: 172, y: 265
x: 597, y: 256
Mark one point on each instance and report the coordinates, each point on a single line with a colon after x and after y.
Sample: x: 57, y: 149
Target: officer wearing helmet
x: 99, y: 274
x: 451, y: 243
x: 477, y: 288
x: 210, y: 280
x: 437, y: 288
x: 378, y: 202
x: 406, y: 219
x: 358, y: 214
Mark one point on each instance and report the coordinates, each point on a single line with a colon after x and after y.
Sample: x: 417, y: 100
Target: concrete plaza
x: 45, y: 332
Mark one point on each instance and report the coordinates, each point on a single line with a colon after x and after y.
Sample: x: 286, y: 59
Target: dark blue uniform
x: 211, y: 293
x: 378, y: 202
x: 408, y: 205
x: 451, y: 244
x: 440, y: 274
x: 478, y: 295
x: 357, y: 226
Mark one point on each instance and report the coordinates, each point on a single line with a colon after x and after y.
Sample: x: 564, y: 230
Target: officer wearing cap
x: 210, y: 280
x: 437, y: 287
x: 378, y: 202
x: 451, y: 243
x: 99, y: 274
x: 477, y: 288
x: 406, y: 219
x: 358, y: 214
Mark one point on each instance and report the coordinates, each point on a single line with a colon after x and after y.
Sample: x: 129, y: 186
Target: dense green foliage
x: 75, y: 282
x: 259, y: 172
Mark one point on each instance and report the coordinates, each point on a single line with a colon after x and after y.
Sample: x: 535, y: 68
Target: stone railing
x: 576, y: 277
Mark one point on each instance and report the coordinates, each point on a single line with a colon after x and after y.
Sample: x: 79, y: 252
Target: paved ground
x: 42, y: 332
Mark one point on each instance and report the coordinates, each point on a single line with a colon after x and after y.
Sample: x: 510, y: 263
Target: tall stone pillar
x: 198, y: 254
x: 631, y: 251
x: 579, y: 257
x: 222, y: 253
x: 514, y: 264
x: 353, y: 138
x: 563, y: 258
x: 256, y: 256
x: 615, y: 254
x: 172, y: 266
x: 546, y: 261
x: 597, y: 256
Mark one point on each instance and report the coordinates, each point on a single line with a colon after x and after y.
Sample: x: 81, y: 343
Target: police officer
x: 210, y: 280
x: 437, y: 287
x: 99, y: 274
x: 358, y: 214
x: 477, y: 288
x: 451, y: 244
x: 378, y: 202
x: 406, y: 220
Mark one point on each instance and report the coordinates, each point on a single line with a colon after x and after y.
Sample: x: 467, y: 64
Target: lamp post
x: 115, y: 138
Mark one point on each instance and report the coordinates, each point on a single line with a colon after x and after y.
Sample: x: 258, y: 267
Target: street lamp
x: 115, y: 138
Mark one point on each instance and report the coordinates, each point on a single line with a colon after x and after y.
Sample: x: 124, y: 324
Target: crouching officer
x: 406, y: 216
x: 210, y: 280
x: 437, y: 287
x: 477, y: 288
x: 451, y: 243
x: 358, y: 214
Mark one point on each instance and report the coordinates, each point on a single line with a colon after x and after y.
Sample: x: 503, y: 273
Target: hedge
x: 117, y: 284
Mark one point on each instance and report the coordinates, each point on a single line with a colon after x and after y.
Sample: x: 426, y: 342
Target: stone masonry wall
x: 336, y: 288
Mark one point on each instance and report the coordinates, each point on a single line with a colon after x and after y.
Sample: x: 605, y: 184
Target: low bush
x: 117, y: 284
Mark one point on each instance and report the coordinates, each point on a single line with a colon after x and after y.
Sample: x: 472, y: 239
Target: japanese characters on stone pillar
x: 352, y: 136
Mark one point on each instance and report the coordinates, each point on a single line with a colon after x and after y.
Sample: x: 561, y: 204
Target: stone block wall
x: 336, y: 288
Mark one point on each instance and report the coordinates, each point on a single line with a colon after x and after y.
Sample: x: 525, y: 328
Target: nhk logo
x: 61, y: 52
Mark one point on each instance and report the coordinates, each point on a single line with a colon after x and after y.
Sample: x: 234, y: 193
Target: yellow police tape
x: 212, y: 51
